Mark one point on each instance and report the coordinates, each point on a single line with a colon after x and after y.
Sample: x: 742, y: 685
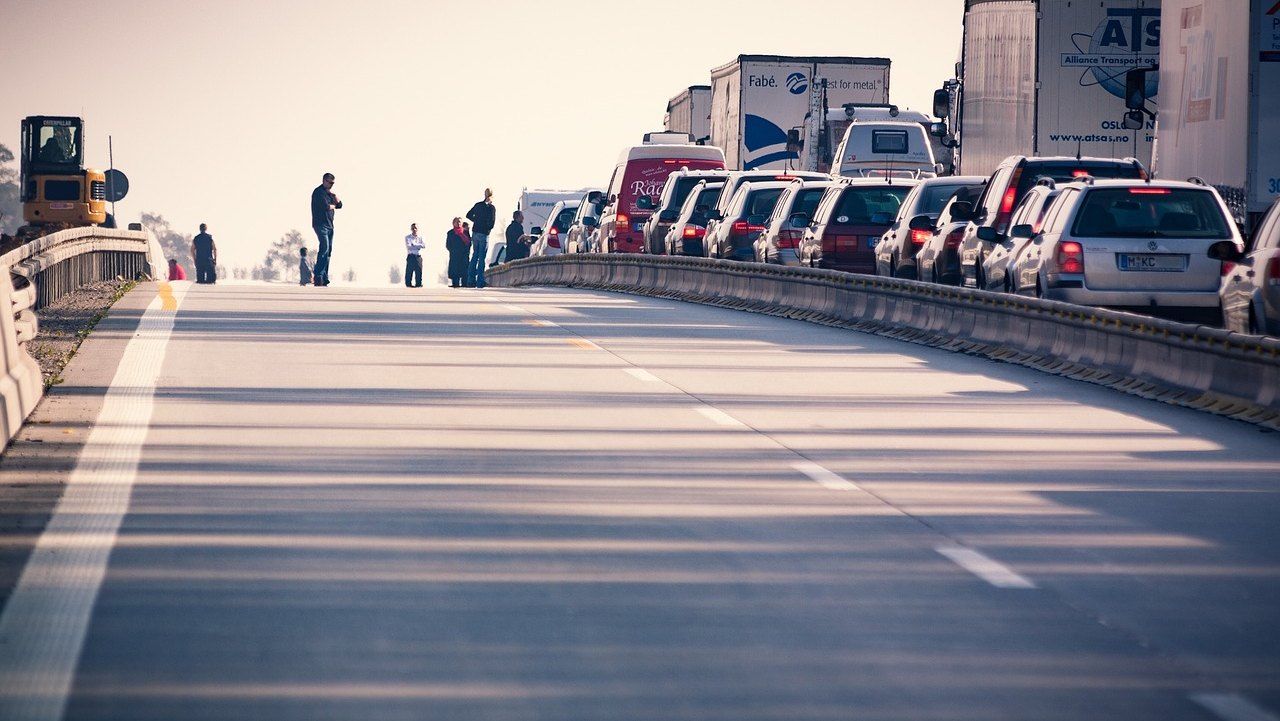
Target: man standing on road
x: 323, y: 203
x: 205, y: 251
x: 516, y: 247
x: 484, y: 216
x: 413, y: 244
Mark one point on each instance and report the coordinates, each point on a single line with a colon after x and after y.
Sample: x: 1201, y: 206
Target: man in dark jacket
x: 483, y: 215
x: 516, y: 247
x: 205, y: 251
x: 323, y: 203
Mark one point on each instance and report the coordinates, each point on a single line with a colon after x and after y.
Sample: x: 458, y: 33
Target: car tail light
x: 1079, y: 173
x: 920, y: 237
x: 693, y: 232
x: 1070, y: 257
x: 1006, y: 203
x: 739, y: 228
x: 1227, y: 267
x: 789, y: 238
x: 622, y: 220
x: 954, y: 239
x: 1273, y: 272
x: 1149, y: 191
x: 553, y: 238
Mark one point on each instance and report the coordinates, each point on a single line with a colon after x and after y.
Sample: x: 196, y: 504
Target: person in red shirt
x: 175, y: 271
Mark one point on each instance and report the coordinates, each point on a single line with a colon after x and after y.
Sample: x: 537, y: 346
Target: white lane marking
x: 540, y: 323
x: 515, y: 308
x: 1232, y: 707
x: 720, y: 416
x: 988, y: 569
x: 824, y: 477
x: 43, y: 626
x: 584, y: 344
x: 644, y: 375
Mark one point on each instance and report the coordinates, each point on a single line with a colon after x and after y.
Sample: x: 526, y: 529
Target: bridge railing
x: 1194, y: 366
x: 39, y: 273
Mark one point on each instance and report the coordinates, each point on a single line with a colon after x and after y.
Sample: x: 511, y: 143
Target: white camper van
x: 885, y: 149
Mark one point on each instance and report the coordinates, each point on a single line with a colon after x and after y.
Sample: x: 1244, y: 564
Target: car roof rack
x: 1047, y: 182
x: 1197, y: 180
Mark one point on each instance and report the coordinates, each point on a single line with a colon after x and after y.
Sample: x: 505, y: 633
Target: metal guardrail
x: 39, y: 273
x: 1194, y: 366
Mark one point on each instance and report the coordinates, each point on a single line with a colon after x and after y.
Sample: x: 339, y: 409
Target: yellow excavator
x: 57, y: 191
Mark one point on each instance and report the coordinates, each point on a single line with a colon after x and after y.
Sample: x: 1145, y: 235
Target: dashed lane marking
x: 823, y: 476
x: 720, y: 417
x: 1232, y: 707
x: 540, y: 323
x: 43, y: 626
x: 515, y: 308
x: 643, y: 375
x: 583, y: 344
x: 988, y: 569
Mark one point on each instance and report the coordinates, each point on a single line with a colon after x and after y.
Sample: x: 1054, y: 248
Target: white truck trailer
x: 690, y: 112
x: 756, y: 99
x: 1219, y: 114
x: 1047, y: 77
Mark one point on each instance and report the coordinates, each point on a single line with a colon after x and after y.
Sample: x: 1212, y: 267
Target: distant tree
x: 10, y: 207
x: 176, y: 245
x: 394, y: 275
x: 283, y: 255
x: 350, y: 275
x: 222, y: 272
x: 240, y: 272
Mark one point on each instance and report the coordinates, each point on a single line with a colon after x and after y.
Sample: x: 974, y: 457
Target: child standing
x: 304, y: 268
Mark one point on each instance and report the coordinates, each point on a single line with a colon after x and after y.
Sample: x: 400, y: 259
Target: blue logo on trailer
x: 760, y: 135
x: 1125, y: 39
x: 797, y: 83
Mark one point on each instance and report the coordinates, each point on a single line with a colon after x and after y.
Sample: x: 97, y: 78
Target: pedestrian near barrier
x: 304, y: 268
x: 516, y: 247
x: 413, y: 244
x: 205, y: 251
x: 175, y: 271
x: 323, y: 203
x: 484, y: 216
x: 457, y: 242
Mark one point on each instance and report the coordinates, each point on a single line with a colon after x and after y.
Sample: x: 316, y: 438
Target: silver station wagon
x: 1129, y: 244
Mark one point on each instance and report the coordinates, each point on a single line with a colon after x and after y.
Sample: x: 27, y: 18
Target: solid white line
x: 515, y: 308
x: 43, y: 626
x: 644, y: 375
x: 719, y: 416
x: 1232, y: 707
x: 988, y: 569
x: 823, y: 476
x: 540, y: 323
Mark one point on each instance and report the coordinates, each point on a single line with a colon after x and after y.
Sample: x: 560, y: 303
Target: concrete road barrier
x: 1194, y: 366
x: 41, y: 272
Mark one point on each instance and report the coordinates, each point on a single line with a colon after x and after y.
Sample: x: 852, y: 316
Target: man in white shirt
x: 413, y: 244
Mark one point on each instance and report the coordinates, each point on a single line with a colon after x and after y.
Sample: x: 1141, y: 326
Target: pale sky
x: 228, y: 112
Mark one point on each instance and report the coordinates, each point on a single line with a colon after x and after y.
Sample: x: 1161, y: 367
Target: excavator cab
x: 57, y: 190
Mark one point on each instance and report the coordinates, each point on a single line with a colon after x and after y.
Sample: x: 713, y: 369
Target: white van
x: 874, y: 148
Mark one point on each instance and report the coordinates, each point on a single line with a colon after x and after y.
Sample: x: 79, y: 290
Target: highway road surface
x: 345, y: 503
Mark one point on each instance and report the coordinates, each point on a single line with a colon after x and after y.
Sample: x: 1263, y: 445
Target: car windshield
x: 1147, y: 212
x: 859, y: 205
x: 934, y: 197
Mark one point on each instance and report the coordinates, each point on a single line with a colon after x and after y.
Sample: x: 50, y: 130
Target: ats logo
x: 1126, y: 38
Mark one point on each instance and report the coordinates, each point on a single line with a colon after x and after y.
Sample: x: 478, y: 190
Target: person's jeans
x: 205, y: 270
x: 320, y: 273
x: 412, y: 271
x: 479, y: 251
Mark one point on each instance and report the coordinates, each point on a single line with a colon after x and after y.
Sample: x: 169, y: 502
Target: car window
x: 1058, y: 212
x: 994, y: 192
x: 807, y: 201
x: 1065, y: 172
x: 564, y: 219
x: 1147, y: 212
x: 680, y: 191
x: 784, y: 202
x: 761, y: 202
x: 858, y: 205
x: 935, y: 195
x: 1268, y: 233
x: 1028, y: 208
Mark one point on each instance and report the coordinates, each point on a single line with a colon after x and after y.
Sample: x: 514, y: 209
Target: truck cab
x: 56, y: 188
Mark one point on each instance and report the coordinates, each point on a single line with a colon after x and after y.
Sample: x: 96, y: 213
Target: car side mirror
x: 962, y: 211
x: 798, y: 220
x: 921, y: 222
x: 613, y: 198
x: 1021, y: 231
x: 941, y: 103
x: 987, y: 234
x: 590, y: 222
x: 535, y: 230
x: 881, y: 219
x: 1226, y: 251
x: 595, y: 197
x: 645, y: 202
x: 668, y: 216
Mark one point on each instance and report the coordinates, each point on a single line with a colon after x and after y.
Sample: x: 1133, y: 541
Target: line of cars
x: 1090, y: 231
